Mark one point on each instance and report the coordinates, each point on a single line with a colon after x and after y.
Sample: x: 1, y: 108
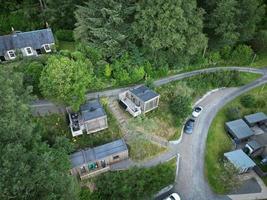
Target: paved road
x: 191, y: 183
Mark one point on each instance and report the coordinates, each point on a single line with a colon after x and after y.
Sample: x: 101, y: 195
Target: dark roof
x: 92, y: 110
x: 144, y: 93
x: 34, y: 39
x: 261, y: 139
x: 254, y: 145
x: 239, y: 129
x: 255, y: 118
x: 239, y: 159
x: 97, y: 153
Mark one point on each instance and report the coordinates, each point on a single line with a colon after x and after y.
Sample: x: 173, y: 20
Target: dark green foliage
x: 242, y: 55
x: 248, y: 101
x: 233, y: 113
x: 64, y: 35
x: 29, y: 168
x: 135, y: 183
x: 180, y: 107
x: 260, y: 41
x: 260, y: 103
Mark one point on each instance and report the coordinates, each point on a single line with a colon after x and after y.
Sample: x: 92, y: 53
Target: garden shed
x: 256, y: 119
x: 93, y: 161
x: 240, y: 160
x: 238, y: 130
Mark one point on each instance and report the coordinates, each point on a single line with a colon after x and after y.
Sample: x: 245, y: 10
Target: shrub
x: 233, y: 113
x: 260, y: 41
x: 65, y: 35
x: 260, y: 103
x: 225, y: 52
x: 242, y: 55
x: 214, y: 58
x: 248, y: 101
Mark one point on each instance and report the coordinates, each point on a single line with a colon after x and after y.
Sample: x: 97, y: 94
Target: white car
x: 196, y: 112
x: 174, y: 196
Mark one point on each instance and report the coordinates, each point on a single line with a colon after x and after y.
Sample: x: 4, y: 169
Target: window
x: 28, y: 50
x: 11, y: 54
x: 116, y: 157
x: 47, y: 48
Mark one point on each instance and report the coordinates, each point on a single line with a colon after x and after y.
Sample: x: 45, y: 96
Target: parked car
x: 196, y: 112
x: 189, y: 125
x: 264, y: 161
x: 174, y: 196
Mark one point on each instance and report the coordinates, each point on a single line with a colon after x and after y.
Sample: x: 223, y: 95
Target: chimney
x: 46, y: 24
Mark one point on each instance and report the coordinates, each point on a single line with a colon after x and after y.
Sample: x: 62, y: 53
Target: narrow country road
x: 191, y: 183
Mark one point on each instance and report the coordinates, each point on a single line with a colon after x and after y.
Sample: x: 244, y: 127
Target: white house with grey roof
x: 91, y: 118
x: 139, y: 100
x: 93, y: 161
x: 31, y: 43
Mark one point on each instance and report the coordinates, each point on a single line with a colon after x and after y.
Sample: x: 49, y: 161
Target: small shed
x: 255, y: 119
x: 240, y: 160
x: 238, y: 130
x: 144, y: 97
x: 93, y: 161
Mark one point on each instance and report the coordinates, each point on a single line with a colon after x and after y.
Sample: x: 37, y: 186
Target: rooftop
x: 144, y: 93
x: 254, y: 145
x: 97, y: 153
x: 255, y: 118
x: 239, y: 129
x: 34, y: 39
x: 239, y: 159
x: 92, y: 110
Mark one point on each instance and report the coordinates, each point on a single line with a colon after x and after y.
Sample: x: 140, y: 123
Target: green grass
x: 261, y: 61
x: 57, y: 125
x: 65, y: 45
x: 218, y: 141
x: 257, y: 160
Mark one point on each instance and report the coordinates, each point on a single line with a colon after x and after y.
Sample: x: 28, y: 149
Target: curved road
x: 191, y: 183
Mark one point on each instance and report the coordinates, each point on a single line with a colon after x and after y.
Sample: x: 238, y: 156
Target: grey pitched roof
x: 92, y: 110
x: 239, y: 129
x: 255, y: 118
x: 144, y: 93
x: 34, y: 39
x: 239, y: 159
x: 89, y: 155
x: 254, y: 145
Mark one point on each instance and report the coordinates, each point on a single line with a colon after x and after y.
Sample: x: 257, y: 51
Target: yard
x: 218, y: 141
x: 135, y: 183
x: 167, y: 120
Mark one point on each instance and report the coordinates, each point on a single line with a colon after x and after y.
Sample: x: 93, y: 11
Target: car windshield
x: 197, y: 109
x: 172, y: 198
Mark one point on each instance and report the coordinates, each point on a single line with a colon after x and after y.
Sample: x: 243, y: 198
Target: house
x: 31, y: 43
x: 139, y: 100
x: 93, y: 161
x: 90, y: 118
x: 238, y: 130
x: 256, y: 119
x: 240, y: 160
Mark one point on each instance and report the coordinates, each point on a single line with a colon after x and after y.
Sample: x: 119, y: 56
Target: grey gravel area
x: 248, y: 186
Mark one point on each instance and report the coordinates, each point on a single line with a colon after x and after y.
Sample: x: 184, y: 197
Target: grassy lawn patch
x: 218, y: 141
x: 135, y: 183
x: 57, y: 125
x: 65, y: 45
x: 261, y: 61
x: 142, y: 149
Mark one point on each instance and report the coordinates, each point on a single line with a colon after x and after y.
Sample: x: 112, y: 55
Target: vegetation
x: 218, y: 141
x: 29, y: 167
x: 135, y: 183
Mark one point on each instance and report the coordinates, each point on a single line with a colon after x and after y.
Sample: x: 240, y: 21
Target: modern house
x: 240, y: 160
x: 139, y: 100
x: 238, y: 130
x: 256, y: 119
x: 93, y: 161
x: 31, y: 43
x: 90, y: 118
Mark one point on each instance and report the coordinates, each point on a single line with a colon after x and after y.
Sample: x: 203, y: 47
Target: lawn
x: 57, y: 125
x: 135, y: 183
x: 260, y: 61
x: 65, y: 45
x: 163, y: 122
x: 218, y: 141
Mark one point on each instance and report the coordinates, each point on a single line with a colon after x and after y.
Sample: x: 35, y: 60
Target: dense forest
x: 115, y: 43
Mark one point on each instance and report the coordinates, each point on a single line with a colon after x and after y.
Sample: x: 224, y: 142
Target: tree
x: 170, y: 26
x: 29, y: 168
x: 102, y: 24
x: 66, y: 81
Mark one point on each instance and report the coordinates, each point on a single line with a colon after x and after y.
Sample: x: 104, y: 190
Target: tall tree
x: 66, y: 80
x: 172, y: 26
x: 102, y: 24
x: 29, y: 168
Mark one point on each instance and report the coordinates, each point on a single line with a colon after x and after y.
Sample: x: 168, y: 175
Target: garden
x: 218, y: 141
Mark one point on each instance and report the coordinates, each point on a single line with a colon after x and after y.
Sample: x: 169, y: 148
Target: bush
x: 233, y: 113
x: 214, y: 58
x: 260, y: 103
x: 65, y: 35
x: 248, y: 101
x: 260, y: 42
x: 242, y: 55
x: 225, y: 52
